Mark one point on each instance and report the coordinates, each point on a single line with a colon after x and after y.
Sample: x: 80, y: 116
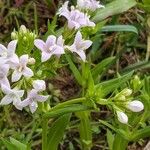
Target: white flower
x: 135, y: 106
x: 39, y: 85
x: 32, y: 99
x: 80, y: 45
x: 19, y: 65
x: 4, y: 69
x: 89, y: 4
x: 52, y: 46
x: 76, y: 18
x: 12, y: 96
x: 122, y: 117
x: 8, y: 52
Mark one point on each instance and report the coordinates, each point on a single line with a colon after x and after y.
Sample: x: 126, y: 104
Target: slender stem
x: 73, y: 101
x: 44, y: 133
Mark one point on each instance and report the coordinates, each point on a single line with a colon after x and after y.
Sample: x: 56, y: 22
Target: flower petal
x: 16, y: 76
x: 3, y: 50
x: 24, y: 60
x: 42, y: 98
x: 86, y: 44
x: 27, y: 72
x: 51, y: 40
x: 5, y: 82
x: 78, y: 37
x: 45, y: 56
x: 39, y: 85
x: 6, y: 100
x: 6, y: 89
x: 33, y: 107
x: 25, y: 102
x: 82, y: 55
x: 12, y: 48
x: 39, y: 44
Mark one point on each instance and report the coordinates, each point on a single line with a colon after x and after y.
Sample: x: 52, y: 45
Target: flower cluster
x: 55, y: 46
x: 18, y: 66
x: 132, y: 105
x: 75, y: 17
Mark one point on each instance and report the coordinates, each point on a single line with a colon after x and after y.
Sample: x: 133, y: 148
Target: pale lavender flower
x: 39, y: 85
x: 89, y: 4
x: 8, y: 52
x: 76, y: 18
x: 12, y: 96
x: 52, y: 46
x: 19, y: 65
x: 80, y: 45
x: 32, y: 100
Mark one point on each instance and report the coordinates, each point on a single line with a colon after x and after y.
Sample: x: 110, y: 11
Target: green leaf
x: 85, y: 129
x: 18, y: 144
x: 65, y: 110
x: 102, y: 66
x: 110, y: 139
x: 14, y: 144
x: 136, y: 66
x: 140, y: 134
x: 74, y: 69
x: 109, y: 86
x: 119, y: 28
x: 9, y: 145
x: 113, y: 8
x: 56, y: 131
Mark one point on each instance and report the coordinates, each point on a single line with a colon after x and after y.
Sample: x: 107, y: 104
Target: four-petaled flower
x: 80, y: 45
x: 8, y: 52
x: 19, y: 65
x: 52, y: 46
x: 76, y: 18
x: 32, y: 99
x: 12, y: 96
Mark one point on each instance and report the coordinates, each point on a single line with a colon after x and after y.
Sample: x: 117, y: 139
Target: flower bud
x: 122, y: 117
x: 24, y: 38
x: 127, y: 92
x: 13, y: 35
x: 31, y: 61
x: 135, y: 106
x: 121, y: 98
x: 23, y: 29
x: 39, y: 85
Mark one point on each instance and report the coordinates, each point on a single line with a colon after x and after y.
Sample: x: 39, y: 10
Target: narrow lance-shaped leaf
x: 56, y: 132
x: 113, y: 8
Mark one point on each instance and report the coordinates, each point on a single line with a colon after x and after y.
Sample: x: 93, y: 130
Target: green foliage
x: 56, y: 132
x: 113, y: 8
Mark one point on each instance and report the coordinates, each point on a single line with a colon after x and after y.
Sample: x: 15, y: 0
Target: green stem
x: 73, y: 101
x: 44, y: 133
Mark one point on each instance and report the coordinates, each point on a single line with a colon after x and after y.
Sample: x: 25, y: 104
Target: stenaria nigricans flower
x: 80, y: 45
x: 8, y: 52
x: 75, y: 17
x: 32, y: 99
x: 12, y: 96
x: 52, y: 46
x: 89, y: 4
x: 19, y: 65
